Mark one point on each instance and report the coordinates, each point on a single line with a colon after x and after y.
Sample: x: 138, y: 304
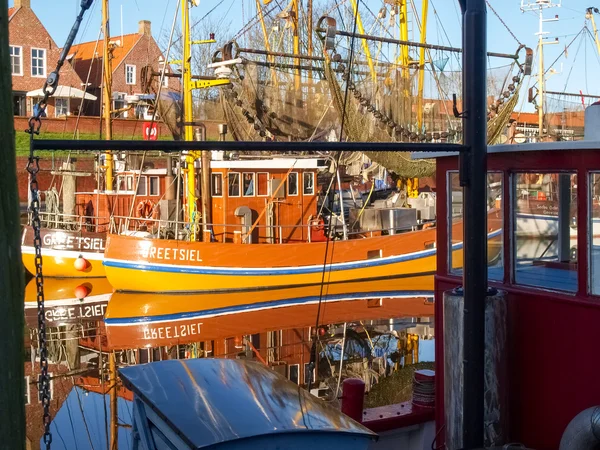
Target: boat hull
x: 162, y: 266
x: 60, y: 250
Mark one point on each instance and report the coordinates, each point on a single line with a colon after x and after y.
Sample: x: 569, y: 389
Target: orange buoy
x: 82, y: 291
x: 81, y: 264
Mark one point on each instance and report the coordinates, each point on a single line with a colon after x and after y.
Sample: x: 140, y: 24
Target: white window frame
x: 133, y: 74
x: 20, y: 73
x: 37, y: 57
x: 143, y: 181
x: 150, y: 178
x: 27, y: 390
x: 268, y: 186
x: 56, y: 114
x: 311, y: 175
x: 288, y: 185
x: 239, y: 184
x: 213, y: 176
x: 253, y: 184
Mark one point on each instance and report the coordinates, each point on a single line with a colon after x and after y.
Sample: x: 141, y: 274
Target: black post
x: 12, y: 381
x: 475, y: 216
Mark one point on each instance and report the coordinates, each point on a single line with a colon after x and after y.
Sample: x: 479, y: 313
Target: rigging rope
x: 503, y: 23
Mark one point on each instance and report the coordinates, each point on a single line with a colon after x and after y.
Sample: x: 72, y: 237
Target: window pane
x: 494, y: 225
x: 309, y: 183
x: 294, y: 376
x: 546, y: 230
x: 141, y: 190
x: 248, y: 184
x: 234, y: 184
x: 217, y: 184
x: 263, y: 184
x: 15, y: 60
x: 38, y: 67
x: 154, y: 186
x: 293, y: 183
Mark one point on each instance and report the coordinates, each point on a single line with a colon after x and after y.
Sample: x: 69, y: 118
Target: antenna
x: 539, y: 6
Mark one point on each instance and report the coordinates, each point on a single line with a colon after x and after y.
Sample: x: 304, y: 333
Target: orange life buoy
x: 318, y: 224
x: 146, y: 209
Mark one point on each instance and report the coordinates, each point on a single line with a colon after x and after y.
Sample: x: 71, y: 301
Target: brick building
x: 131, y: 53
x: 33, y: 55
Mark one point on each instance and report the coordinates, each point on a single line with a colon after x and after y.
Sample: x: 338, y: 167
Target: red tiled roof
x: 11, y: 11
x: 85, y: 50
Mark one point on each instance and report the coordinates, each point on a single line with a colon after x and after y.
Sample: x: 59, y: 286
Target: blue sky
x: 231, y: 14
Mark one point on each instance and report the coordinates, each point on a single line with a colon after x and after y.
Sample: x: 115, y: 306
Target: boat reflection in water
x: 381, y: 326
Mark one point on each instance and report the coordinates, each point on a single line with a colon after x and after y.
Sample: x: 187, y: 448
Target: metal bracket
x: 205, y: 84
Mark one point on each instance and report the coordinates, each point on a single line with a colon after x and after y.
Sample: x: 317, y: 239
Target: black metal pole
x: 474, y: 182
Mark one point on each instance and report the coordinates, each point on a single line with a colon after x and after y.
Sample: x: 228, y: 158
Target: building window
x: 216, y: 184
x: 154, y: 186
x: 16, y: 60
x: 27, y: 391
x: 38, y: 62
x: 142, y: 188
x: 129, y: 74
x: 308, y: 179
x: 262, y: 190
x: 61, y: 107
x: 293, y: 373
x: 234, y: 184
x: 293, y: 183
x: 545, y: 230
x: 39, y: 386
x: 248, y: 184
x: 494, y: 225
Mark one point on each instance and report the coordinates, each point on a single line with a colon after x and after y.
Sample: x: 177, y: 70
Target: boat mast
x: 296, y: 21
x: 188, y: 115
x: 589, y: 14
x: 365, y: 43
x: 539, y: 5
x: 107, y: 94
x: 421, y: 85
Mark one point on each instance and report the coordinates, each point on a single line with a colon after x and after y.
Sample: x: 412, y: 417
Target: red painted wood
x: 552, y: 335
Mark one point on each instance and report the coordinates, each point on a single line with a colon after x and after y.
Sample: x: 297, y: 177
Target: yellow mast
x: 589, y: 14
x: 424, y: 12
x: 365, y: 44
x: 271, y: 58
x: 188, y: 116
x: 404, y: 60
x: 107, y: 94
x: 296, y: 19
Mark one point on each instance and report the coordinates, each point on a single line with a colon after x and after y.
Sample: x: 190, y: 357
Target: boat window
x: 294, y: 373
x: 216, y: 184
x: 494, y: 225
x: 142, y: 188
x: 154, y: 186
x: 308, y: 181
x: 594, y: 233
x: 293, y: 183
x: 125, y: 183
x: 545, y: 230
x: 234, y: 184
x: 262, y: 189
x: 248, y: 184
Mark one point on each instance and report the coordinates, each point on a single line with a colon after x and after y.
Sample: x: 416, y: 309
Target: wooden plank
x: 12, y: 381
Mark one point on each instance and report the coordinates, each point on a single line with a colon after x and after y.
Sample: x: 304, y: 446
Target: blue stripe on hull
x: 261, y: 305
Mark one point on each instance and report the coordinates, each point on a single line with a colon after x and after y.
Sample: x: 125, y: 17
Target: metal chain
x: 33, y: 167
x: 503, y: 23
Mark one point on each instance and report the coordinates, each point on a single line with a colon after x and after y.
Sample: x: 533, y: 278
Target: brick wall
x: 26, y: 31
